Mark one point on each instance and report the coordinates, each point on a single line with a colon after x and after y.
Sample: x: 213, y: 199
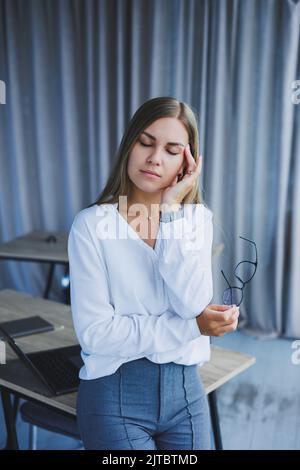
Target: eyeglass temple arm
x: 253, y: 243
x: 225, y: 279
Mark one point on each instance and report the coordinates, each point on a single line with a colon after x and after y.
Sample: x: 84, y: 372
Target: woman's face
x: 159, y: 148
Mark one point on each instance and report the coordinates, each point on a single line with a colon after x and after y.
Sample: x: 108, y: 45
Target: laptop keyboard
x: 58, y: 370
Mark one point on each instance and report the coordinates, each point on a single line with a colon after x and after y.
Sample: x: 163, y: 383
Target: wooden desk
x: 34, y: 247
x: 17, y: 379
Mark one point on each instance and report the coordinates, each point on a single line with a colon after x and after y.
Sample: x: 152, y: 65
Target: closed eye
x: 149, y: 145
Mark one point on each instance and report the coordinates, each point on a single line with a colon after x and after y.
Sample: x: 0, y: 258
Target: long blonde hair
x: 119, y: 183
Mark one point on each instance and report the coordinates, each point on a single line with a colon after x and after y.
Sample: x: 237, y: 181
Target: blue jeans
x: 145, y: 405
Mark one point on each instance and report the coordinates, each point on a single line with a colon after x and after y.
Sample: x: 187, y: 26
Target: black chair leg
x: 16, y: 402
x: 212, y: 398
x: 12, y: 439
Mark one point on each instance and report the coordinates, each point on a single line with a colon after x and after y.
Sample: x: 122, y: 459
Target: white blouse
x: 129, y: 300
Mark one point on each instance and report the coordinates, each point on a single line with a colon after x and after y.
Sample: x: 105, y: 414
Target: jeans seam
x: 187, y: 405
x: 160, y: 395
x: 79, y: 415
x: 120, y: 401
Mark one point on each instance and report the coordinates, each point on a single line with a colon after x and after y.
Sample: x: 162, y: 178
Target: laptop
x: 58, y: 369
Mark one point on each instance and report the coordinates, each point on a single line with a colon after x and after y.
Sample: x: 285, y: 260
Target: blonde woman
x: 141, y: 284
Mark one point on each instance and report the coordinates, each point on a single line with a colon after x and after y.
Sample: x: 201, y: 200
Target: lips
x: 150, y: 173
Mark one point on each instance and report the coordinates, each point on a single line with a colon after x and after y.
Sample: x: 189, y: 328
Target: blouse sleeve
x: 97, y: 326
x: 184, y: 249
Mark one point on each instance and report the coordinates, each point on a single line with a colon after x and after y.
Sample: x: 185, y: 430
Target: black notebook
x: 26, y: 326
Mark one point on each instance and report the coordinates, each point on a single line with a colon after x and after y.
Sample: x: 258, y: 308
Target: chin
x: 147, y: 186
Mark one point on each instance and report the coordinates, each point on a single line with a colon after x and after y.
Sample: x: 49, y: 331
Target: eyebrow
x: 169, y: 143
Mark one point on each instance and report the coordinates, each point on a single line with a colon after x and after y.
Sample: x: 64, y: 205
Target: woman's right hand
x: 217, y: 320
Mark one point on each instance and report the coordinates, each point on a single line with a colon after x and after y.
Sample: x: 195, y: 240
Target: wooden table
x: 40, y: 247
x: 17, y: 379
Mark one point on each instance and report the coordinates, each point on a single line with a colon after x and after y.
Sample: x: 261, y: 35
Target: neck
x: 150, y: 201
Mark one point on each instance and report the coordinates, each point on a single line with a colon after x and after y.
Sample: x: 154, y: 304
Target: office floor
x: 259, y: 409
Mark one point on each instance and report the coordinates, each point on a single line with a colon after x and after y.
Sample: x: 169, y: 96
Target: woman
x: 141, y: 283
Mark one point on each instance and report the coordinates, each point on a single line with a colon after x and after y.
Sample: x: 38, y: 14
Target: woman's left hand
x: 178, y: 189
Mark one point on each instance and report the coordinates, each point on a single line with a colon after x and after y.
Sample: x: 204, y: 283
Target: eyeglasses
x: 244, y: 272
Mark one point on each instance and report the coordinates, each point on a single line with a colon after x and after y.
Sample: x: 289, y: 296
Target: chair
x: 41, y: 417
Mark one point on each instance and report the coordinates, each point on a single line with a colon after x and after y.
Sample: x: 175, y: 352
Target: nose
x: 154, y: 156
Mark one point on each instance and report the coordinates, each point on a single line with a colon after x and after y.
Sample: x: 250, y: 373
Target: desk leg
x: 49, y: 280
x: 212, y: 398
x: 12, y: 439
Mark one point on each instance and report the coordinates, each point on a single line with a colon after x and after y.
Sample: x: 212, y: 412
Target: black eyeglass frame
x: 241, y: 281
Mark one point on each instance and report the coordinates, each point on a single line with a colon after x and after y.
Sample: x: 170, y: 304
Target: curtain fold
x: 76, y: 71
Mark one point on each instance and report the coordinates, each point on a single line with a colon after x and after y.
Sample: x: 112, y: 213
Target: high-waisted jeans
x: 144, y: 405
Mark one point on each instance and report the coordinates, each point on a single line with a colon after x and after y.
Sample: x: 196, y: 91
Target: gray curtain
x: 75, y: 72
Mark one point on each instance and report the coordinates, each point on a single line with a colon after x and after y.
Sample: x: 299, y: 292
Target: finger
x: 228, y: 322
x: 191, y: 164
x: 197, y: 170
x: 228, y: 329
x: 236, y: 314
x: 224, y: 317
x: 220, y: 307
